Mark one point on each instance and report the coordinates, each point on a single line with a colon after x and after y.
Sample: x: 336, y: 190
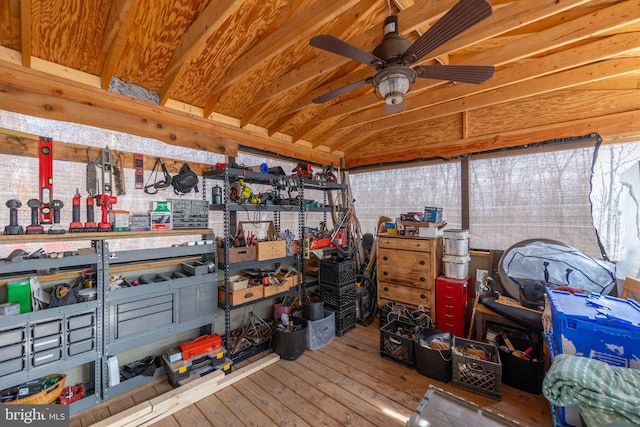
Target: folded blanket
x: 598, y: 389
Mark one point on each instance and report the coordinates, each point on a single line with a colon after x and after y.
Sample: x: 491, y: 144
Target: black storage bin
x: 395, y: 344
x: 523, y: 374
x: 430, y: 362
x: 291, y: 345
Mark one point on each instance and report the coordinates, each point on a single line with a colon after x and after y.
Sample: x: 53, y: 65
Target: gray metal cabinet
x: 56, y: 339
x: 162, y: 304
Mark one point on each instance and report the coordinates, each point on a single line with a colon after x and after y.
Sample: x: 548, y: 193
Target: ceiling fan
x: 394, y: 55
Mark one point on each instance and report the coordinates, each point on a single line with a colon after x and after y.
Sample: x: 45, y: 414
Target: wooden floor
x: 344, y: 383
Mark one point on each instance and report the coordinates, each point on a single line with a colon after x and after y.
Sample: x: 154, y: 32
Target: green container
x: 20, y: 292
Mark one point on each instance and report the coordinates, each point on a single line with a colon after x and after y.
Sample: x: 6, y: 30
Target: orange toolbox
x: 201, y: 345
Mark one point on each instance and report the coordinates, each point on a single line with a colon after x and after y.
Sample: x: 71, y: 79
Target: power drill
x: 34, y: 228
x: 105, y: 201
x: 90, y: 225
x: 76, y: 224
x: 56, y: 228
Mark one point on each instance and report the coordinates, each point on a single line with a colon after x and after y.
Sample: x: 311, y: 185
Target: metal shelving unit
x: 229, y: 175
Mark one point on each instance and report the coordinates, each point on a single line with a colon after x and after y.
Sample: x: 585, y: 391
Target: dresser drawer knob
x: 385, y: 258
x: 423, y: 296
x: 386, y: 289
x: 422, y: 279
x: 384, y: 273
x: 422, y: 262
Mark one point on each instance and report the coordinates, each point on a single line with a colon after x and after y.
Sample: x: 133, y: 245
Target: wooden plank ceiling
x: 241, y: 73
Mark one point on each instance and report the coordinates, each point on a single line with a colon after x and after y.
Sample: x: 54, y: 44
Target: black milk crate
x: 474, y: 374
x: 338, y: 297
x: 336, y: 273
x: 396, y: 311
x: 345, y: 319
x: 396, y: 342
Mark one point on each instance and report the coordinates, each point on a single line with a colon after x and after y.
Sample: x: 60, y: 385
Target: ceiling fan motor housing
x: 393, y: 45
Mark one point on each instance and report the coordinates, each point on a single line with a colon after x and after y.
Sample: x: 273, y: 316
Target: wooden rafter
x: 119, y: 25
x: 25, y: 32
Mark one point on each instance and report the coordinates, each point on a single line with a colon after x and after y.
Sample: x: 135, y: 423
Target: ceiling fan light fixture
x: 394, y: 83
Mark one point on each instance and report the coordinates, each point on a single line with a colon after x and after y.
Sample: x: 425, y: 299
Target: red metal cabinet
x: 453, y: 305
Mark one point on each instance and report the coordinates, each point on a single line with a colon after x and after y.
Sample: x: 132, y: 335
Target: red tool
x: 90, y: 225
x: 303, y: 170
x: 138, y: 164
x: 105, y: 201
x: 45, y: 156
x: 201, y: 345
x: 76, y: 224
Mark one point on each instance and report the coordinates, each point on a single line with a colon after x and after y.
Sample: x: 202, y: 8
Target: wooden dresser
x: 407, y: 268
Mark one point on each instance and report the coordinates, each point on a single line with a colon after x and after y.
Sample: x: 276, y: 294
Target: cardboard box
x: 251, y: 293
x: 119, y: 220
x: 160, y: 220
x: 161, y: 206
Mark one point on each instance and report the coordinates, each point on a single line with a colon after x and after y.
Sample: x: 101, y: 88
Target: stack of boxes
x: 337, y: 281
x: 456, y: 254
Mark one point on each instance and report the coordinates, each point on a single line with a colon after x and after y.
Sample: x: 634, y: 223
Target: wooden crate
x: 242, y: 254
x: 244, y: 295
x: 271, y: 249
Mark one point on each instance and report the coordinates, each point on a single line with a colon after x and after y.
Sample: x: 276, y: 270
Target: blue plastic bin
x: 595, y: 326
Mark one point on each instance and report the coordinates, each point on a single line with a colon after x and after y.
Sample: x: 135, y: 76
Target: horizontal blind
x: 533, y: 194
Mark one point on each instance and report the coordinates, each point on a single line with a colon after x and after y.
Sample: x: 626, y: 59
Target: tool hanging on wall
x: 105, y: 163
x: 92, y: 175
x: 138, y: 164
x: 118, y: 175
x: 45, y: 158
x: 158, y: 184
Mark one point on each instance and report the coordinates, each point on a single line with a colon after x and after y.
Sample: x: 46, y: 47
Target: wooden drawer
x: 421, y: 245
x: 406, y: 294
x: 406, y: 267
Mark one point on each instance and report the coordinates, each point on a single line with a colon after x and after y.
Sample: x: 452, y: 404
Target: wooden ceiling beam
x: 25, y: 32
x: 506, y: 19
x: 613, y: 127
x: 302, y: 24
x: 194, y: 42
x: 517, y: 74
x: 566, y: 79
x: 119, y: 26
x: 38, y: 94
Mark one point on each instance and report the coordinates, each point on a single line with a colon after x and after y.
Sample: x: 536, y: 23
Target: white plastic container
x: 456, y: 267
x: 456, y: 242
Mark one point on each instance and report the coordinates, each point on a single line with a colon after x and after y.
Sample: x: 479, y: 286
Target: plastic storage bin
x: 291, y: 345
x: 337, y: 273
x: 523, y: 374
x: 430, y: 362
x: 474, y: 374
x: 456, y: 242
x: 599, y: 327
x: 321, y: 332
x: 456, y: 267
x: 396, y: 342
